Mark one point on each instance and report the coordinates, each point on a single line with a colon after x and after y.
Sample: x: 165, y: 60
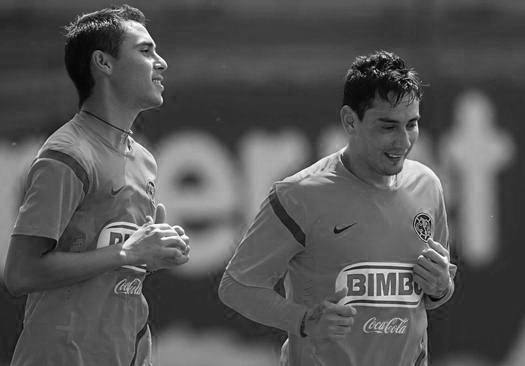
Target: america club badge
x: 423, y: 226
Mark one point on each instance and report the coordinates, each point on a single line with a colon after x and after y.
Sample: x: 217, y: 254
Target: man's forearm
x: 261, y: 305
x: 58, y: 269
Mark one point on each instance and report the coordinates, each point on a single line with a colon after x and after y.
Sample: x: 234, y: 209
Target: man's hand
x: 160, y: 218
x: 432, y: 271
x: 329, y: 319
x: 157, y: 244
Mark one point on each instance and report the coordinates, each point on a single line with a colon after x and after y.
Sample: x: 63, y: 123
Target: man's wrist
x: 123, y: 255
x: 443, y: 294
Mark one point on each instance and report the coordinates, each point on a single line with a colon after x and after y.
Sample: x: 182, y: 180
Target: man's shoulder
x: 68, y: 137
x: 316, y: 173
x: 69, y: 143
x: 311, y: 179
x: 416, y: 167
x: 415, y: 170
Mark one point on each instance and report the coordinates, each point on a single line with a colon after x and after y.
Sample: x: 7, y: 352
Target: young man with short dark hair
x: 89, y: 228
x: 360, y: 237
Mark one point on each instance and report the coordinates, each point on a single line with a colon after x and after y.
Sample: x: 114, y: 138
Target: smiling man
x: 360, y: 237
x: 89, y: 228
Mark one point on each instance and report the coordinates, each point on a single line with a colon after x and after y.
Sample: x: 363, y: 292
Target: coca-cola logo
x: 128, y: 287
x: 392, y: 326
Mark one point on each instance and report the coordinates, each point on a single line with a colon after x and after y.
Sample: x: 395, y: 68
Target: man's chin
x: 158, y: 102
x: 393, y: 170
x: 154, y: 103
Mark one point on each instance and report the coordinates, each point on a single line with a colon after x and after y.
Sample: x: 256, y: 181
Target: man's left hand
x: 432, y: 270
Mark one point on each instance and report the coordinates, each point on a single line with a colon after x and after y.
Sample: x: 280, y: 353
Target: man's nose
x: 160, y: 63
x: 403, y: 139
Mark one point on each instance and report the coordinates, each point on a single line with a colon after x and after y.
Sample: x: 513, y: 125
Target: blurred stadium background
x: 253, y: 94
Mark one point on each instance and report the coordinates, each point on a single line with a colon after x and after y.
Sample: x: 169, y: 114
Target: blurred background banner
x: 253, y: 93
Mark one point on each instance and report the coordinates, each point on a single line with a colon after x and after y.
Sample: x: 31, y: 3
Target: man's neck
x: 361, y: 171
x: 122, y: 118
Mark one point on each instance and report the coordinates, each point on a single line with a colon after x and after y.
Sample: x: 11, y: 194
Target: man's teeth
x: 394, y: 156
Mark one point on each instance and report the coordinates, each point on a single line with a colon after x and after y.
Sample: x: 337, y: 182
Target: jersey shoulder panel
x: 70, y: 146
x: 295, y: 197
x: 309, y: 180
x: 315, y: 172
x: 314, y: 175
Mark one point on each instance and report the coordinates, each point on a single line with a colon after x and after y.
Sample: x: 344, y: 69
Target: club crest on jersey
x: 150, y: 190
x: 423, y: 226
x: 379, y: 284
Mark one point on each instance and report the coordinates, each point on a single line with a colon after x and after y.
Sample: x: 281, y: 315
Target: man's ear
x: 102, y: 62
x: 348, y: 119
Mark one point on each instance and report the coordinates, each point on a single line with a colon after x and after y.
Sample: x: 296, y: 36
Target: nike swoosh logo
x: 114, y: 191
x: 338, y: 230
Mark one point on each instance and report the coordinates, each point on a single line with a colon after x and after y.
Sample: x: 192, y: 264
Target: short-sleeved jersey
x: 90, y: 186
x: 329, y: 232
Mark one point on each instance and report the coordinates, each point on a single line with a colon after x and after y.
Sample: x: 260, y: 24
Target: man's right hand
x: 329, y: 319
x: 157, y: 244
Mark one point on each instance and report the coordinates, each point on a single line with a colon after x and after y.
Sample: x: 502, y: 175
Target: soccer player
x: 89, y: 229
x: 360, y: 237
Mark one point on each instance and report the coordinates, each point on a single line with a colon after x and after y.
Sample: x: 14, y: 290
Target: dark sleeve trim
x: 290, y: 224
x: 74, y: 165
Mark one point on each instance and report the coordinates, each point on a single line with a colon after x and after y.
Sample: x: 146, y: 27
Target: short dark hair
x: 101, y: 30
x: 381, y: 73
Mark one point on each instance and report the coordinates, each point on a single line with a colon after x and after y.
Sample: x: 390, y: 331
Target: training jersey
x: 329, y: 232
x: 89, y: 187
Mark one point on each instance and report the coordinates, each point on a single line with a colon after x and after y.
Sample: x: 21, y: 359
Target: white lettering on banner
x: 216, y: 182
x: 392, y: 326
x: 478, y: 152
x: 224, y: 192
x: 211, y: 200
x: 331, y: 140
x: 267, y: 157
x: 128, y: 287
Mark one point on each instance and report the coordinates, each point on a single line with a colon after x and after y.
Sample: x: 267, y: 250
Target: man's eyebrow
x: 146, y: 43
x: 390, y: 120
